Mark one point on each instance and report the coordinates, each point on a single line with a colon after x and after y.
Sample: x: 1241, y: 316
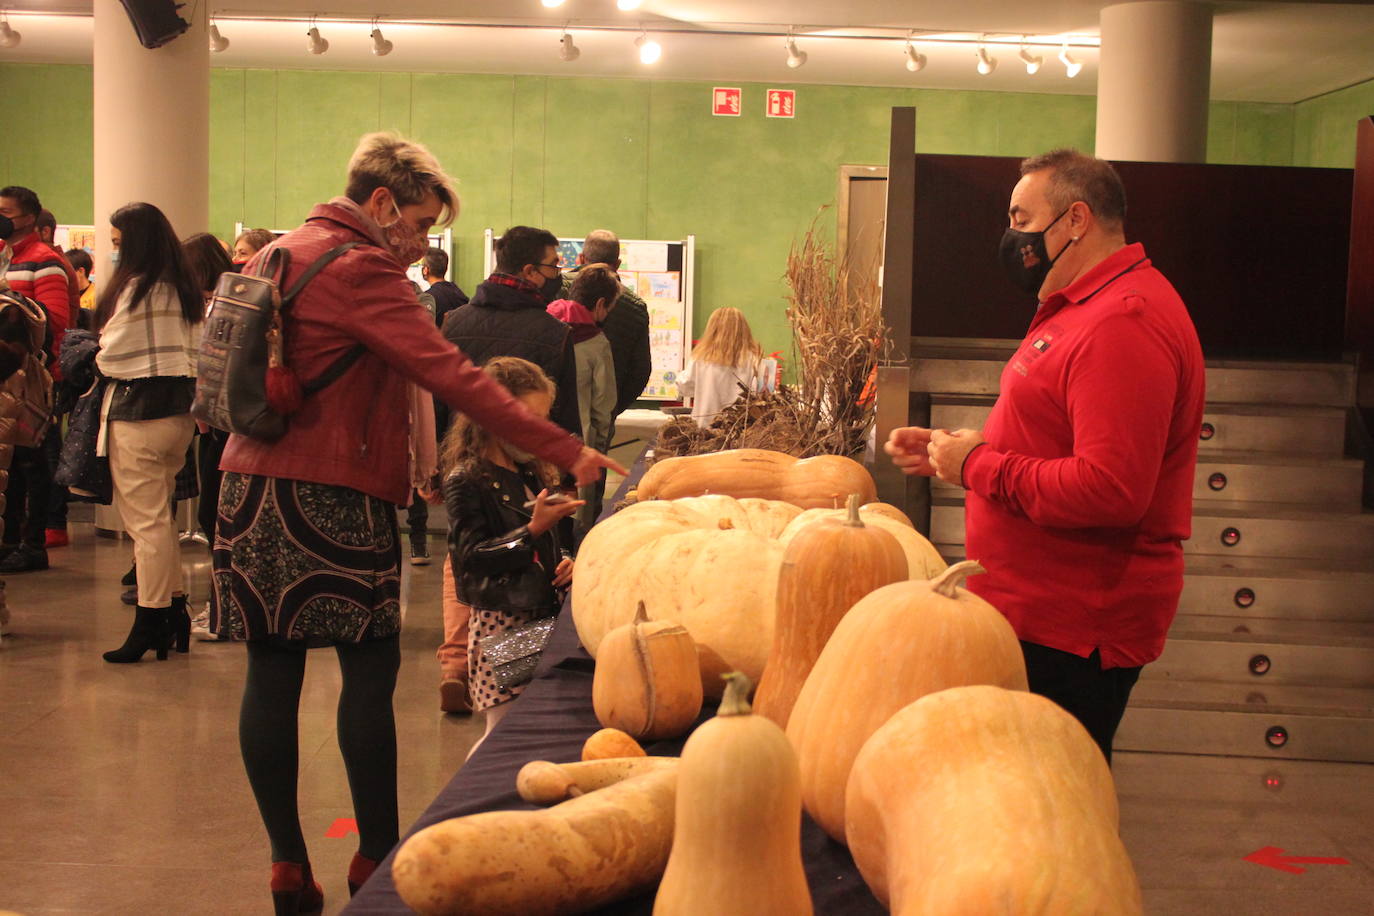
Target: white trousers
x: 145, y: 456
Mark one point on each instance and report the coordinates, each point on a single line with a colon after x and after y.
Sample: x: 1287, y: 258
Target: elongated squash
x: 546, y: 783
x: 896, y: 645
x: 737, y: 830
x: 826, y: 568
x: 820, y: 482
x: 980, y: 801
x: 571, y: 858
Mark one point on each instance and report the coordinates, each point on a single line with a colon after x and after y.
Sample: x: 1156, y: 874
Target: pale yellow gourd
x: 980, y: 801
x: 737, y: 830
x: 895, y: 645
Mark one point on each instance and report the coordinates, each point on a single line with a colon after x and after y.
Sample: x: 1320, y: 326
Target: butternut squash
x: 542, y: 782
x: 737, y: 828
x: 820, y: 482
x: 577, y: 856
x: 647, y: 681
x: 922, y: 559
x: 826, y: 568
x: 980, y: 801
x: 895, y: 645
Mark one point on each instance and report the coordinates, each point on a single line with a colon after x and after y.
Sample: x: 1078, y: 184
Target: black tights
x: 367, y: 739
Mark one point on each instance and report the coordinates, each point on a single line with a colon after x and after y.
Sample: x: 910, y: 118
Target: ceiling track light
x: 986, y: 62
x: 795, y: 58
x: 553, y: 3
x: 1071, y: 67
x: 218, y: 42
x: 380, y: 46
x: 628, y: 5
x: 1033, y: 62
x: 9, y: 38
x: 649, y: 50
x: 315, y: 43
x: 915, y: 60
x: 567, y: 51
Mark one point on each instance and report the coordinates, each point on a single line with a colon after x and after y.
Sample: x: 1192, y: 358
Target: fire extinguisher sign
x: 726, y: 102
x: 782, y: 103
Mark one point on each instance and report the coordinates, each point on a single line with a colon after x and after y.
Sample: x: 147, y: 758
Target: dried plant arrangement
x: 838, y: 338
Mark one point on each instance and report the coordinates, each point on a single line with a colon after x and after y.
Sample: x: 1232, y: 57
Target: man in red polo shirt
x: 1079, y: 487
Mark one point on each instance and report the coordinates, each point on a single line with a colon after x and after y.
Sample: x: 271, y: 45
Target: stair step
x: 1178, y: 728
x: 1231, y: 658
x: 1271, y: 588
x: 978, y: 372
x: 1244, y: 428
x: 1260, y: 629
x: 1270, y: 699
x: 1263, y: 530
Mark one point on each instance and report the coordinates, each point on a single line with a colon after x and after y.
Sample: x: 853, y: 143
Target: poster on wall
x: 660, y: 273
x: 442, y: 240
x: 65, y: 238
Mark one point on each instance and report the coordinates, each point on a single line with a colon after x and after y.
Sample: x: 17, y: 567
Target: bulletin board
x: 661, y: 273
x: 415, y: 272
x: 65, y: 238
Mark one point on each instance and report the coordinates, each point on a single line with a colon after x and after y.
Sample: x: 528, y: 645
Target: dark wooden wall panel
x: 1258, y: 253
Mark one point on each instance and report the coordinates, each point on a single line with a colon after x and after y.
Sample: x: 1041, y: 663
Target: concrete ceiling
x: 1263, y: 52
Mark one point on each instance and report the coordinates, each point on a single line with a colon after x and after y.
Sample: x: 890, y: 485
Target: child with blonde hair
x: 726, y: 357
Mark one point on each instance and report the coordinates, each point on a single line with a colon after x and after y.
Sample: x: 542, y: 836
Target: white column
x: 152, y: 133
x: 152, y: 123
x: 1154, y: 74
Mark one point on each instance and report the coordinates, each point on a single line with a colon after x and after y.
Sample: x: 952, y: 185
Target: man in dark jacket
x: 447, y: 296
x: 627, y: 325
x: 507, y: 317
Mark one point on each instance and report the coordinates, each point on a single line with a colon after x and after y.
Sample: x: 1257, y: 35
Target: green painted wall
x: 1324, y: 127
x: 642, y: 157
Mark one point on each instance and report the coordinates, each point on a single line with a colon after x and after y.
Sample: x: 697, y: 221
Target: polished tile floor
x: 121, y: 790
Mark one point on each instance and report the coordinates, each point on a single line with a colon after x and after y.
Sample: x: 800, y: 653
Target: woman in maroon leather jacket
x: 306, y: 545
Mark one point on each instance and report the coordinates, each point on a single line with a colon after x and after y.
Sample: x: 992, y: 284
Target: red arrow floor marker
x: 1273, y: 857
x: 341, y: 828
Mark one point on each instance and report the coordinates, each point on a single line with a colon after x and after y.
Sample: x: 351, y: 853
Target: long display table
x: 550, y: 721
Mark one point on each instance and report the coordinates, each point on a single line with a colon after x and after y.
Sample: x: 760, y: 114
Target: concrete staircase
x: 1272, y: 652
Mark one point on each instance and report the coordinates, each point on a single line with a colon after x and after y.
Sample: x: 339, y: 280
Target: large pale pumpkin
x: 826, y: 567
x: 824, y: 481
x: 709, y: 563
x: 737, y: 825
x: 922, y: 559
x: 648, y: 680
x: 894, y: 646
x: 980, y: 801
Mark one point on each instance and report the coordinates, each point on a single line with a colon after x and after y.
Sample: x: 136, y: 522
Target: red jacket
x: 1080, y: 501
x: 40, y: 272
x: 354, y: 433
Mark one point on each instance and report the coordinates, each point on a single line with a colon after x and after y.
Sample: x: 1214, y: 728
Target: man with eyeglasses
x: 507, y: 316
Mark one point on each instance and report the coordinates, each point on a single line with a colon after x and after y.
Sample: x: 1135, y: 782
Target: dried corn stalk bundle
x: 838, y: 337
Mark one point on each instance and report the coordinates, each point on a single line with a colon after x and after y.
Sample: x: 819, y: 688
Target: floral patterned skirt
x: 305, y: 564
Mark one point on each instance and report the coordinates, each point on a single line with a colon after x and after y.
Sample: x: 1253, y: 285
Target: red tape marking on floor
x: 1273, y: 857
x: 341, y: 828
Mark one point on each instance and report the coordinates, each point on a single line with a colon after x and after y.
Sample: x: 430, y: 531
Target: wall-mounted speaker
x: 155, y: 21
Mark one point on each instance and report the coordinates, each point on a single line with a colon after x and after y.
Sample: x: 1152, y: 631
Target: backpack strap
x: 274, y: 266
x: 336, y: 369
x: 320, y: 264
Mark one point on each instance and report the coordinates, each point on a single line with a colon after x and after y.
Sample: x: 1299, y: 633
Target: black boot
x: 150, y: 631
x: 179, y: 624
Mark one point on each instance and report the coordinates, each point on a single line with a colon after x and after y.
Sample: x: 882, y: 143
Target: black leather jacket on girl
x: 497, y: 564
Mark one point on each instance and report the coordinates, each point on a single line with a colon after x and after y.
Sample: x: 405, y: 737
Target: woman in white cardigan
x: 726, y: 357
x: 148, y: 316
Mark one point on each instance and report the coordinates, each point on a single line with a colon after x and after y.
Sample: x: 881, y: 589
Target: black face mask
x: 6, y: 227
x: 552, y: 288
x: 1025, y: 258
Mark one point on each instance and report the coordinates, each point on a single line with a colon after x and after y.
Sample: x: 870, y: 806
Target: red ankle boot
x: 295, y: 890
x: 359, y: 870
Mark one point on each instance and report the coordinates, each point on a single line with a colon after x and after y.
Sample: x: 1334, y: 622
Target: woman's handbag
x: 515, y: 653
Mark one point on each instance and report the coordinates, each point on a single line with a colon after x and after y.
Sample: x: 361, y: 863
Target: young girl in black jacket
x: 511, y: 560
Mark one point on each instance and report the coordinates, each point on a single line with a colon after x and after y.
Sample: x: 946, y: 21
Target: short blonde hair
x: 409, y: 170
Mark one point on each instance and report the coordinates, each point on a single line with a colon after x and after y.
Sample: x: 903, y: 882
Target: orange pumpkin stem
x: 853, y: 520
x: 948, y: 582
x: 736, y: 699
